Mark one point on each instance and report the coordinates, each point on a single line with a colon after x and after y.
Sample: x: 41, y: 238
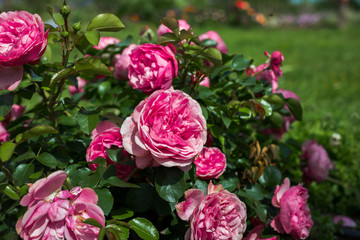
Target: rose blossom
x: 211, y: 163
x: 263, y: 72
x: 183, y: 25
x: 81, y: 84
x: 276, y: 59
x: 22, y: 41
x: 15, y: 112
x: 152, y: 67
x: 278, y: 133
x: 167, y: 127
x: 105, y: 136
x: 106, y: 41
x: 56, y: 214
x: 221, y: 46
x: 318, y: 162
x: 294, y: 217
x: 255, y: 234
x: 218, y: 215
x: 122, y: 62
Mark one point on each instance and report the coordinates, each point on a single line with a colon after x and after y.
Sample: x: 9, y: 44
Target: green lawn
x: 321, y: 66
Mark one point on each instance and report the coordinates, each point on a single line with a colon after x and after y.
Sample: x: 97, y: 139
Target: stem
x: 132, y: 173
x: 333, y: 180
x: 7, y: 173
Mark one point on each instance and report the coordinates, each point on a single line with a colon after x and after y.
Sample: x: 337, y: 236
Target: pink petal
x: 186, y: 208
x: 52, y: 183
x: 87, y: 195
x: 214, y: 188
x: 10, y: 77
x: 95, y: 212
x: 276, y: 224
x: 279, y: 192
x: 102, y: 127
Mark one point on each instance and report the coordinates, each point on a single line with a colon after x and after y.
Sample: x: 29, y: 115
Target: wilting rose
x: 278, y: 133
x: 22, y: 40
x: 167, y: 127
x: 218, y: 215
x: 183, y: 25
x: 211, y: 163
x: 56, y: 214
x: 106, y: 41
x: 107, y: 136
x: 221, y: 46
x: 152, y: 67
x: 294, y: 217
x: 318, y: 162
x: 344, y: 221
x: 80, y: 88
x: 122, y: 62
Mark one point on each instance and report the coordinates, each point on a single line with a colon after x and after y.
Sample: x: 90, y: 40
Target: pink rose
x: 15, y: 112
x: 122, y: 62
x: 22, y: 41
x: 218, y: 215
x: 221, y: 46
x: 318, y: 162
x: 81, y: 84
x: 211, y: 163
x: 203, y: 80
x: 255, y: 234
x: 4, y: 134
x: 106, y: 41
x: 183, y: 25
x: 107, y: 136
x: 276, y: 59
x: 294, y: 217
x: 278, y: 133
x: 344, y: 221
x: 152, y: 67
x: 263, y: 72
x: 167, y: 127
x: 56, y: 214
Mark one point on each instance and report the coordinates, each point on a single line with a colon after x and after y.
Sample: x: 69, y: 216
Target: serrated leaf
x: 87, y: 123
x: 267, y: 107
x: 144, y: 228
x: 105, y: 22
x: 167, y: 38
x: 92, y: 222
x: 295, y: 108
x: 24, y: 156
x: 93, y: 37
x: 8, y: 191
x: 122, y: 213
x: 6, y: 150
x: 38, y: 131
x: 62, y: 74
x: 213, y: 54
x: 58, y: 18
x: 270, y: 177
x: 92, y: 65
x: 170, y: 183
x: 239, y: 63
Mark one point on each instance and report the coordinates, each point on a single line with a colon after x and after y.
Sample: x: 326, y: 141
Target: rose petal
x: 10, y: 77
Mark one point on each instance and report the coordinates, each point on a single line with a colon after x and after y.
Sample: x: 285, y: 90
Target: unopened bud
x: 64, y: 34
x: 65, y: 10
x: 76, y: 27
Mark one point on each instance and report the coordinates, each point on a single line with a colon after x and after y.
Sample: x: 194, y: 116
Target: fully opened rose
x: 22, y: 40
x: 58, y: 214
x: 152, y: 67
x: 167, y: 128
x: 218, y: 215
x: 318, y: 162
x: 294, y: 217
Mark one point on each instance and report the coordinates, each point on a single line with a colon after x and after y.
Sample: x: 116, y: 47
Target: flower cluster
x: 58, y: 214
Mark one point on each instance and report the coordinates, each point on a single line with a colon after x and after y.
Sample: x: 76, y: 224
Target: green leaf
x: 274, y: 99
x: 7, y: 150
x: 204, y: 92
x: 277, y: 119
x: 105, y: 22
x: 24, y: 190
x: 24, y: 156
x: 239, y: 63
x: 37, y: 131
x: 58, y: 18
x: 47, y: 159
x: 270, y: 177
x: 6, y: 102
x: 93, y: 222
x: 250, y: 81
x: 117, y: 182
x: 119, y: 232
x: 11, y: 193
x: 202, y: 185
x: 22, y: 173
x: 170, y: 183
x: 209, y: 43
x: 167, y: 38
x: 267, y: 107
x: 101, y: 234
x: 122, y: 213
x: 99, y: 161
x: 213, y: 54
x: 260, y: 211
x: 87, y: 123
x: 104, y: 88
x: 295, y: 107
x: 144, y: 228
x: 185, y: 34
x: 255, y: 192
x: 171, y: 23
x: 230, y: 184
x: 92, y: 65
x: 93, y: 37
x: 62, y: 74
x: 106, y: 200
